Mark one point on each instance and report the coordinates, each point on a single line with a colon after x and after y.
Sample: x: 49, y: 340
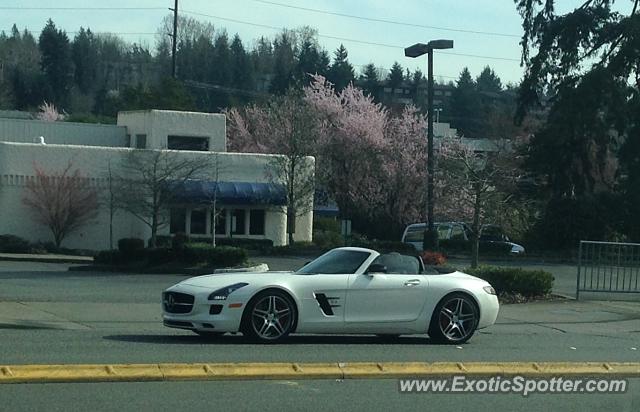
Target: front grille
x: 176, y: 302
x: 215, y: 309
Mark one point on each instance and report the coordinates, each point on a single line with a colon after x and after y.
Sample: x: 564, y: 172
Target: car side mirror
x: 377, y: 268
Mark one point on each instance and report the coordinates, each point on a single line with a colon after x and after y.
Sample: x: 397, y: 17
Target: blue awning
x: 235, y: 193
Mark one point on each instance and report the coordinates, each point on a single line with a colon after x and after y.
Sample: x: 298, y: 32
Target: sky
x: 485, y: 32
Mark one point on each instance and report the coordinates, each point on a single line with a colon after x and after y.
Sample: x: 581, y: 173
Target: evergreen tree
x: 56, y: 62
x: 283, y: 65
x: 465, y: 106
x: 488, y: 81
x: 370, y: 80
x: 241, y: 70
x: 341, y: 71
x: 84, y: 53
x: 396, y: 75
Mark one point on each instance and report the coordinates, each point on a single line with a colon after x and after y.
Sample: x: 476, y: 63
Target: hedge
x: 528, y: 283
x: 131, y: 247
x: 252, y: 244
x: 192, y: 254
x: 221, y: 256
x: 14, y: 244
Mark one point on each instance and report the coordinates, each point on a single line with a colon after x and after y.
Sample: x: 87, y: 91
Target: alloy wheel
x: 271, y: 317
x: 457, y: 319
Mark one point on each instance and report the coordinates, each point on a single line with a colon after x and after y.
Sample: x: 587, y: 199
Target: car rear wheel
x: 270, y: 317
x: 455, y: 319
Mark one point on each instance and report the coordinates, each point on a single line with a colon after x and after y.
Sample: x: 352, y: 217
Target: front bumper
x: 489, y: 308
x: 202, y: 317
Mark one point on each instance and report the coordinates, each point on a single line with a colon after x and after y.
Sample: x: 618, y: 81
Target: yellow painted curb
x: 348, y: 370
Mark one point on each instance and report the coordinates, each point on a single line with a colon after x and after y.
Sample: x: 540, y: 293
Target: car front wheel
x: 455, y: 319
x: 270, y: 317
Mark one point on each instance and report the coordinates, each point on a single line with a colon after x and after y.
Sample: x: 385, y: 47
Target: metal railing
x: 608, y: 267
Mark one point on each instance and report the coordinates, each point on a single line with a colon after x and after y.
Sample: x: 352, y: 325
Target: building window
x: 198, y: 222
x: 141, y: 141
x: 188, y: 143
x: 237, y: 222
x: 256, y: 222
x: 127, y: 141
x: 177, y: 220
x: 221, y: 225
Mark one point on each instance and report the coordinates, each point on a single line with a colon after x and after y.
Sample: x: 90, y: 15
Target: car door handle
x: 412, y: 282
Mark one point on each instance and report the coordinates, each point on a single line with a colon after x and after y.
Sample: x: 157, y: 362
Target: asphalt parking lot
x: 49, y: 315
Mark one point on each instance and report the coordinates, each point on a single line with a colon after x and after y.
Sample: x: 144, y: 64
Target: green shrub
x: 109, y: 257
x: 528, y: 283
x: 179, y: 240
x: 326, y: 224
x: 221, y: 256
x: 159, y: 255
x: 163, y: 241
x: 131, y: 247
x: 298, y: 248
x: 14, y: 244
x: 327, y: 239
x: 253, y: 244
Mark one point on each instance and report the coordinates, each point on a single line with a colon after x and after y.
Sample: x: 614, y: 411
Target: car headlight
x: 490, y: 290
x: 222, y: 294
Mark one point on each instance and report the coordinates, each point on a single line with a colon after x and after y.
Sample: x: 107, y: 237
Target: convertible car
x: 347, y: 290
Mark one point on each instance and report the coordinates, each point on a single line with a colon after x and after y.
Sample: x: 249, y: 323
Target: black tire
x: 270, y: 317
x: 455, y: 319
x: 208, y: 334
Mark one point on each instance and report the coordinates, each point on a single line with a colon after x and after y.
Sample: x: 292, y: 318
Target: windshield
x: 336, y: 261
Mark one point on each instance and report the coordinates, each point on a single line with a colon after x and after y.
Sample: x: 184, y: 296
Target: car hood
x: 461, y: 275
x: 225, y: 279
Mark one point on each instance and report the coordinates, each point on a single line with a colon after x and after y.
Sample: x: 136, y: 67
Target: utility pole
x: 175, y: 38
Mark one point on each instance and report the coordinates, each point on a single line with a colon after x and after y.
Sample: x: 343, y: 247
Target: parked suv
x: 460, y: 231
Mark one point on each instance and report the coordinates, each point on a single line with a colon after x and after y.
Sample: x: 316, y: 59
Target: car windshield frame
x: 336, y: 262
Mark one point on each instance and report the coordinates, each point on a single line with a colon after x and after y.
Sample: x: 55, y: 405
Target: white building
x: 253, y: 204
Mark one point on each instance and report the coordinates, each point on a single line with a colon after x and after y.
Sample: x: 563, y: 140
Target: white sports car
x: 347, y: 290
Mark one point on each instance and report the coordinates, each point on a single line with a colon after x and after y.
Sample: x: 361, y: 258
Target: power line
x: 378, y: 20
x: 394, y: 46
x: 81, y: 8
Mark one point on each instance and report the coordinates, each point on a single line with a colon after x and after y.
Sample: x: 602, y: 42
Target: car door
x: 395, y: 296
x: 322, y: 285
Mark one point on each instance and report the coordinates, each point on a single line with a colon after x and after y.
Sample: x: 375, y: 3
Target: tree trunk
x: 154, y: 231
x: 475, y: 245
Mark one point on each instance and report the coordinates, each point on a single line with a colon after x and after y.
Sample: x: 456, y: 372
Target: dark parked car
x: 460, y: 231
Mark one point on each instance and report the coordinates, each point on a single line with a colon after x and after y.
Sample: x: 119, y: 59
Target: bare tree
x: 215, y: 167
x: 477, y: 183
x: 149, y: 181
x: 295, y: 133
x: 63, y: 201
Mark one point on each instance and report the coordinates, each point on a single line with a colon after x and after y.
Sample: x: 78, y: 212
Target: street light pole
x: 430, y: 239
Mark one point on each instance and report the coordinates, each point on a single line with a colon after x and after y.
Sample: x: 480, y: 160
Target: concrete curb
x: 299, y: 371
x: 45, y: 258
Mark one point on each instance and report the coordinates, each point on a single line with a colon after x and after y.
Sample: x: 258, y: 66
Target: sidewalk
x: 47, y: 258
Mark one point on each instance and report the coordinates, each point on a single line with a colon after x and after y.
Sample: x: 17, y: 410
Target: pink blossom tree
x: 49, y: 113
x: 287, y: 126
